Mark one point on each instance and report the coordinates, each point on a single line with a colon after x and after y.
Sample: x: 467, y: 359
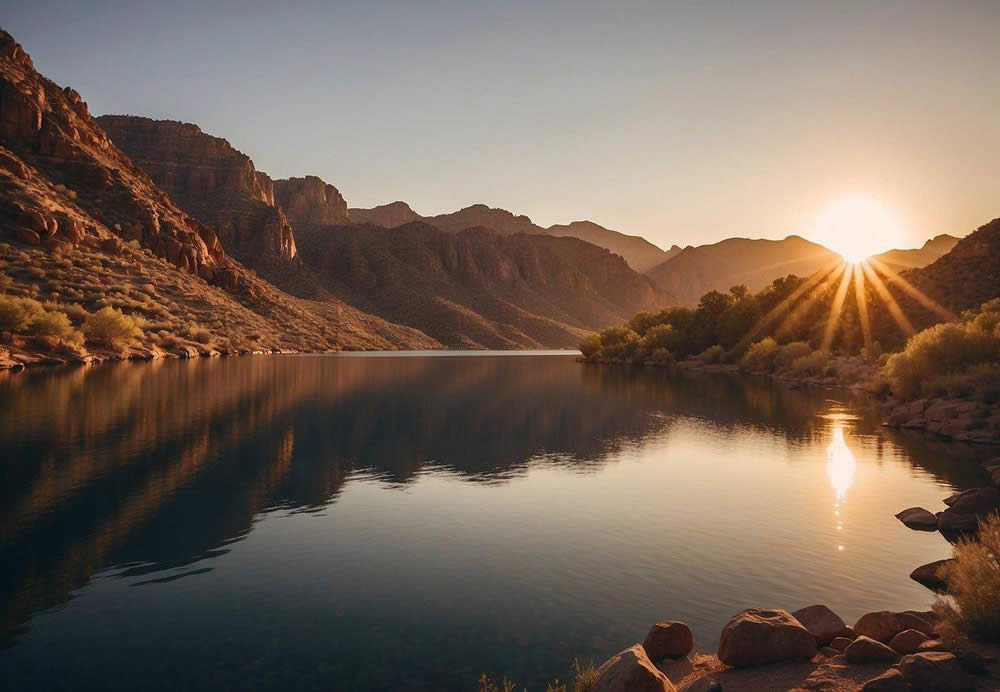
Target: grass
x: 584, y: 676
x: 972, y: 607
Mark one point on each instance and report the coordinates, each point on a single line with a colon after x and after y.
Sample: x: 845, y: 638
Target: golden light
x: 858, y: 227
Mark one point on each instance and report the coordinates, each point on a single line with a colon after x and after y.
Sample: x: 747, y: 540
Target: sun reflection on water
x: 840, y: 468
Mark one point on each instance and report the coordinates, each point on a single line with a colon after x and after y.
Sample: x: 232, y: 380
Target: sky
x: 684, y: 122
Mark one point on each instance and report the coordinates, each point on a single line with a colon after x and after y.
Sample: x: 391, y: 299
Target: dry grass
x: 972, y: 606
x: 584, y: 676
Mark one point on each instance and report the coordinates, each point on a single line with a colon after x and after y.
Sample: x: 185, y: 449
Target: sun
x: 858, y: 227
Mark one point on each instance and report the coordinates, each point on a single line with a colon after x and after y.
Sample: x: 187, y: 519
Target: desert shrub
x: 943, y: 349
x: 712, y: 354
x: 584, y: 676
x: 810, y: 365
x: 202, y: 336
x: 619, y: 343
x: 51, y: 324
x: 77, y: 313
x: 660, y: 356
x: 17, y: 314
x: 789, y: 353
x: 660, y: 336
x: 590, y: 347
x: 760, y: 356
x: 110, y: 327
x: 972, y: 606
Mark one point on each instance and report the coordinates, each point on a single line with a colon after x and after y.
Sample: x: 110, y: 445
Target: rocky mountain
x: 386, y: 215
x: 478, y: 288
x: 310, y: 200
x: 694, y: 271
x: 963, y: 278
x: 640, y: 254
x: 211, y: 180
x: 86, y: 228
x: 919, y: 257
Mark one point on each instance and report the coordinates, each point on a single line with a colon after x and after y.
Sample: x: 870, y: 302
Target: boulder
x: 112, y: 245
x: 918, y: 518
x: 840, y: 643
x: 937, y: 671
x: 928, y: 575
x: 931, y: 645
x: 883, y: 625
x: 631, y: 671
x: 867, y: 650
x: 908, y: 641
x: 28, y: 236
x: 889, y: 681
x: 950, y: 521
x: 822, y: 623
x: 978, y: 501
x: 668, y: 640
x: 758, y: 636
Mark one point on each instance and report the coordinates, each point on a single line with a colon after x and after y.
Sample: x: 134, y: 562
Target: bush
x: 808, y: 366
x: 77, y: 313
x: 712, y: 354
x: 660, y: 356
x: 52, y: 324
x: 202, y: 336
x: 789, y: 353
x: 944, y: 349
x: 760, y: 356
x: 110, y: 327
x: 590, y: 347
x: 972, y: 607
x: 619, y: 343
x: 17, y: 314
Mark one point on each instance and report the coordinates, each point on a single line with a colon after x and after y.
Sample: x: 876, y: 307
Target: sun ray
x: 799, y: 310
x: 833, y: 321
x: 894, y: 310
x: 785, y: 305
x: 859, y: 297
x: 911, y: 290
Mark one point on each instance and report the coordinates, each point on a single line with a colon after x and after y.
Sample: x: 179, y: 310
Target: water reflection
x: 152, y: 473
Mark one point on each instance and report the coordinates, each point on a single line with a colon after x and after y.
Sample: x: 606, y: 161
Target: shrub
x: 52, y: 324
x: 660, y: 356
x: 17, y: 314
x: 619, y: 343
x: 972, y: 607
x: 789, y: 353
x: 202, y: 336
x: 712, y: 354
x: 77, y: 313
x: 810, y: 365
x: 662, y: 336
x: 590, y: 347
x: 110, y: 327
x: 760, y: 356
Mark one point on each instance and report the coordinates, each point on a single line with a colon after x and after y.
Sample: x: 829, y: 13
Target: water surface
x: 350, y: 523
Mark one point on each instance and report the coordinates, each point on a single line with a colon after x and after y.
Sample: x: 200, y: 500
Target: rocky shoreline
x: 956, y: 419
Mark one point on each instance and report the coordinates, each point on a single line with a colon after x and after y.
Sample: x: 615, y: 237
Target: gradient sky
x: 684, y: 122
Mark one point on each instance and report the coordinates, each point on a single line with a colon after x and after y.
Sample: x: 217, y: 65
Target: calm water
x: 349, y: 523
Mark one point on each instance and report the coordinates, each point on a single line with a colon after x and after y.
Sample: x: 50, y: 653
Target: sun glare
x: 858, y: 227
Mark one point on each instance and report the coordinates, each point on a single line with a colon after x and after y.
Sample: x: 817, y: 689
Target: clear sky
x: 685, y: 122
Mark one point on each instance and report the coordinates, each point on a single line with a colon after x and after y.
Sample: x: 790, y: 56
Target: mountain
x: 310, y: 200
x: 478, y: 288
x: 640, y: 254
x: 214, y: 182
x: 694, y: 271
x: 963, y: 278
x: 87, y: 228
x: 919, y: 257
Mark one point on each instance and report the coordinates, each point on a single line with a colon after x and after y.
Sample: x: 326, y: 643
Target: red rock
x: 918, y: 518
x: 978, y: 501
x: 908, y: 641
x: 889, y: 681
x: 840, y: 643
x: 631, y: 671
x: 928, y: 575
x: 668, y: 640
x: 758, y: 636
x: 883, y: 625
x: 310, y: 200
x: 28, y: 236
x: 822, y: 623
x: 934, y: 672
x: 950, y: 521
x: 867, y: 650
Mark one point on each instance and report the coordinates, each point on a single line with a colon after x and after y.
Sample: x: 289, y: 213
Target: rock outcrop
x: 883, y: 625
x: 385, y: 215
x: 211, y: 180
x: 867, y: 650
x: 310, y: 200
x: 918, y: 518
x: 758, y: 636
x: 934, y: 672
x: 631, y: 671
x: 668, y: 640
x: 824, y: 624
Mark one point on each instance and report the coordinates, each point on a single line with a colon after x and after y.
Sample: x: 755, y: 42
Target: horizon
x: 814, y: 84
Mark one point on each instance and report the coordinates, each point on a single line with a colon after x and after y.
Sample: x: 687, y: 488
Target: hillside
x: 694, y: 271
x: 478, y: 288
x: 84, y: 228
x: 937, y: 246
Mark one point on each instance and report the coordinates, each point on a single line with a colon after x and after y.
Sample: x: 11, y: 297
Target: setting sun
x: 858, y: 227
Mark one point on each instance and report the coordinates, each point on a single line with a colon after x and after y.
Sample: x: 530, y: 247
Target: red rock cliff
x: 310, y: 200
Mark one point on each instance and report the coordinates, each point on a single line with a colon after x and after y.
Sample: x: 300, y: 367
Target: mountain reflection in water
x: 151, y: 473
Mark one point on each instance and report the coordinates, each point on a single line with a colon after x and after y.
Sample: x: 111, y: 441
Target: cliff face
x: 211, y: 180
x: 478, y: 288
x: 64, y: 182
x: 386, y: 215
x: 310, y: 200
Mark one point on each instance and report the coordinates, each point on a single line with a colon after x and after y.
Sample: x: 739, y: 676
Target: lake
x: 409, y: 522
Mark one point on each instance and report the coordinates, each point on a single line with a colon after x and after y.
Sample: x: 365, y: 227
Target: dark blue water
x: 408, y: 523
